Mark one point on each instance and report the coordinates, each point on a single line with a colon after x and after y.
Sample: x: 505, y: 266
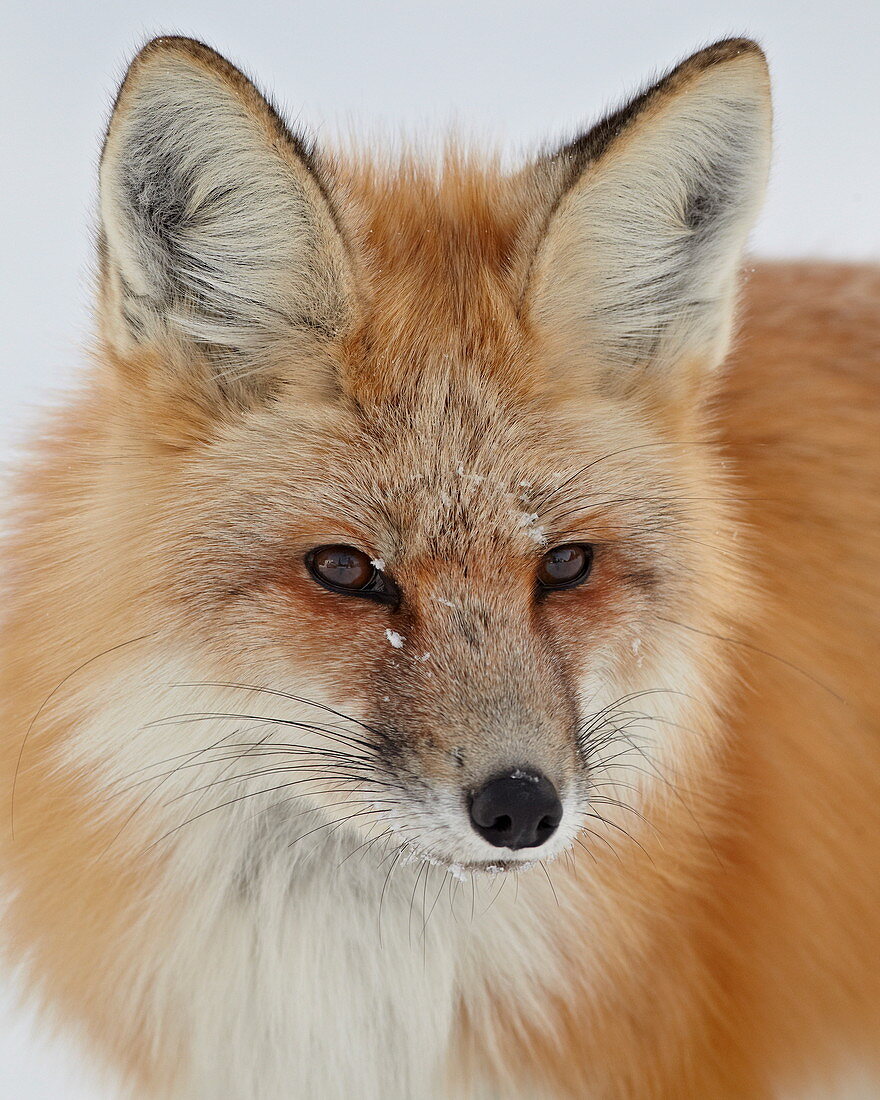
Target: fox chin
x: 440, y: 635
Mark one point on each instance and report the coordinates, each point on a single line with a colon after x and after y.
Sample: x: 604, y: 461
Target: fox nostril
x: 519, y: 810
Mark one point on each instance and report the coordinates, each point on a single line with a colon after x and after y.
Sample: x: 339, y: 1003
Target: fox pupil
x: 343, y: 567
x: 565, y: 566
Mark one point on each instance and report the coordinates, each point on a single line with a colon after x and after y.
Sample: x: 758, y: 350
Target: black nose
x: 519, y: 810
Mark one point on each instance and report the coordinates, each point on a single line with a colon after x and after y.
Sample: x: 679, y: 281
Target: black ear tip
x: 186, y: 51
x: 725, y: 49
x: 723, y: 52
x: 178, y: 43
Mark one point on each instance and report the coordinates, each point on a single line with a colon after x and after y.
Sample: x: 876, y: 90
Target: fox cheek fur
x: 272, y: 829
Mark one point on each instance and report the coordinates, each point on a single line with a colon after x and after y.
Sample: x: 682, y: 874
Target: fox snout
x: 485, y: 729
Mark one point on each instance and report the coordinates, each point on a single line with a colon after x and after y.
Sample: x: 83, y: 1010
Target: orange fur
x: 735, y: 929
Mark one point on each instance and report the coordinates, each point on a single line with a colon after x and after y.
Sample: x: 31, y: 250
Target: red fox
x: 433, y: 664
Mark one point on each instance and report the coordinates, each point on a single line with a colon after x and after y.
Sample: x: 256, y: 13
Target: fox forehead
x: 437, y: 473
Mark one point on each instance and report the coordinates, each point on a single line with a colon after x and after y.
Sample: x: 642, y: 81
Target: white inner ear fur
x: 216, y: 231
x: 639, y: 262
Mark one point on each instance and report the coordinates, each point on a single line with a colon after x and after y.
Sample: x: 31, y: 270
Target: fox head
x: 406, y: 471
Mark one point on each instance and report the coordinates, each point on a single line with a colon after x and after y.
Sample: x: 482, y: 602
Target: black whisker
x: 292, y: 698
x: 764, y: 652
x: 620, y: 829
x: 47, y: 700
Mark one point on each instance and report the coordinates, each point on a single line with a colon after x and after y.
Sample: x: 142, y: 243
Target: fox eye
x: 565, y: 566
x: 351, y: 571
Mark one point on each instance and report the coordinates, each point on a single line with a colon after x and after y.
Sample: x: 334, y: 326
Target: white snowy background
x: 514, y: 72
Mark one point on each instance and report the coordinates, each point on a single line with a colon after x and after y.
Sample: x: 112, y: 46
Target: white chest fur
x: 292, y: 990
x: 271, y: 963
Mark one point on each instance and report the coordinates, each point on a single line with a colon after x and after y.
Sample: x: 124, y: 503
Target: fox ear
x: 217, y: 242
x: 650, y: 212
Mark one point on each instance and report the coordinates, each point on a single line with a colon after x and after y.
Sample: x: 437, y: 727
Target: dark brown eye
x: 565, y: 566
x: 346, y: 569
